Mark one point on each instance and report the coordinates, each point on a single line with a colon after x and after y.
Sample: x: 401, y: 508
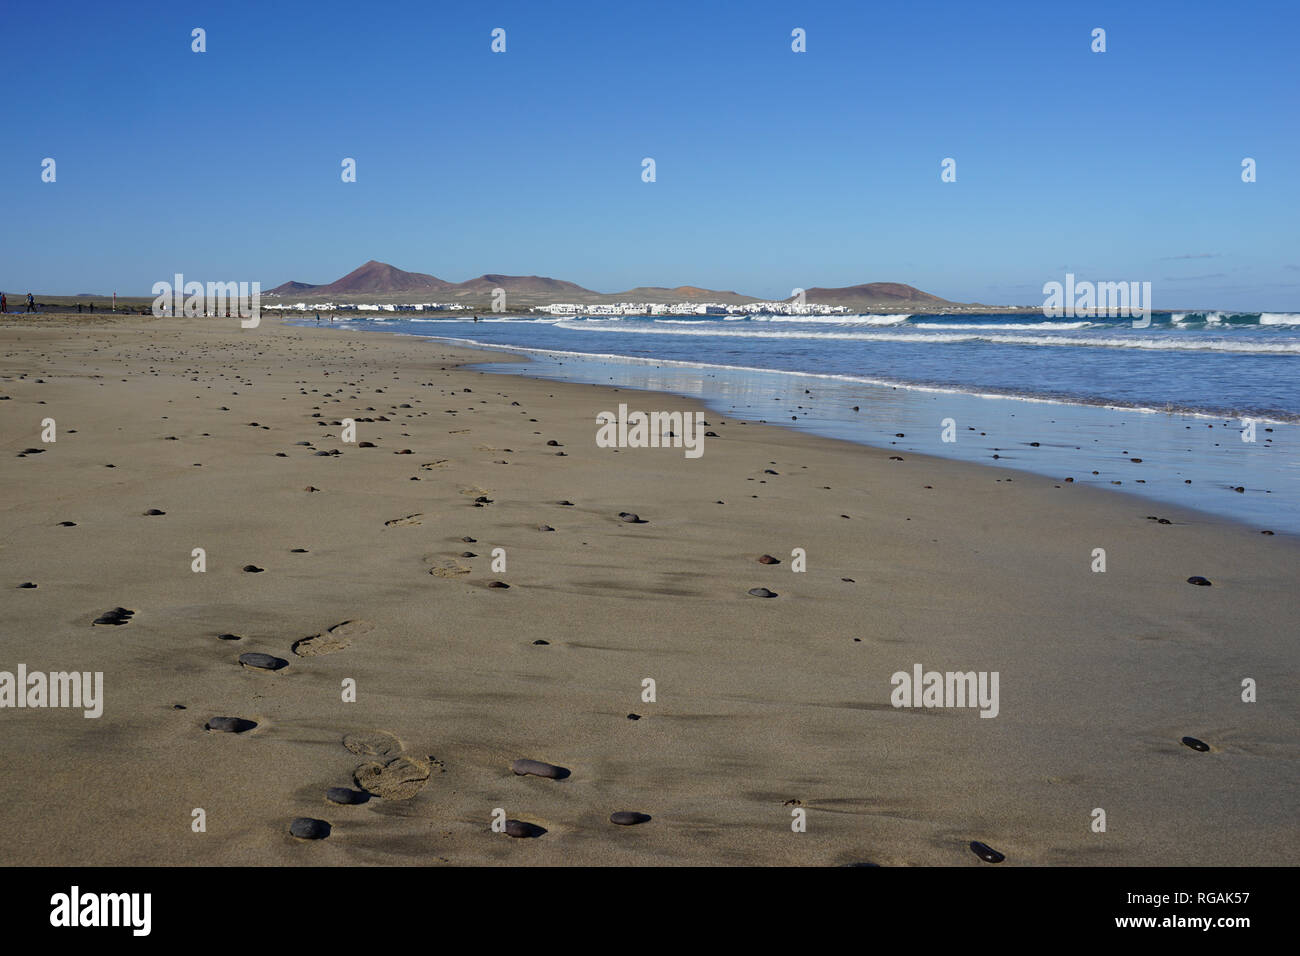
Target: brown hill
x: 285, y: 288
x: 522, y: 285
x: 373, y: 278
x: 682, y: 293
x: 873, y: 294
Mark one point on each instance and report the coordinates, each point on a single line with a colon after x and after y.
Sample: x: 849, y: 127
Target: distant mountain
x: 373, y: 278
x: 379, y: 279
x: 682, y: 293
x: 286, y: 287
x: 522, y: 285
x: 874, y: 294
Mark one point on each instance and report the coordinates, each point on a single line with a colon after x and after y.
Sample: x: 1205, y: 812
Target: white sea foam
x: 1150, y: 343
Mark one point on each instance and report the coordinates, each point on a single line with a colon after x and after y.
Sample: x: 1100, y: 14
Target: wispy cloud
x: 1194, y: 255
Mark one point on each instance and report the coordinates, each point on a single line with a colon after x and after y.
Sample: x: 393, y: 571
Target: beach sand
x: 763, y: 706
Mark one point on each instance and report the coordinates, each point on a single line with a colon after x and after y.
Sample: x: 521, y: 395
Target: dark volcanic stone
x: 498, y: 584
x: 308, y: 828
x: 768, y: 559
x: 631, y: 518
x: 253, y: 569
x: 1199, y: 581
x: 537, y: 768
x: 986, y: 852
x: 115, y: 617
x: 346, y: 795
x: 152, y: 512
x: 229, y: 725
x: 628, y: 818
x: 265, y: 662
x: 1198, y: 745
x: 518, y: 828
x: 762, y: 592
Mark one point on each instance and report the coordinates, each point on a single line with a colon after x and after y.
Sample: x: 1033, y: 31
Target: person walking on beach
x: 31, y: 303
x: 4, y: 303
x: 318, y: 318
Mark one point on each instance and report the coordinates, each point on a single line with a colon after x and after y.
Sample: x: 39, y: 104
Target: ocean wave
x: 972, y: 392
x: 1136, y: 342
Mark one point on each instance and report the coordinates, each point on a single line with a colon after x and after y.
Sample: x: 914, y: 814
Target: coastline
x: 1175, y: 471
x: 953, y: 565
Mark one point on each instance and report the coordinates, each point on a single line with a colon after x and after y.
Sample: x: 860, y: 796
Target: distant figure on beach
x: 31, y: 303
x: 4, y: 303
x: 476, y: 318
x: 318, y: 318
x: 78, y: 308
x: 92, y: 308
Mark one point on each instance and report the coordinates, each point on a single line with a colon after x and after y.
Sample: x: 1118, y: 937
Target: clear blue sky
x: 775, y: 169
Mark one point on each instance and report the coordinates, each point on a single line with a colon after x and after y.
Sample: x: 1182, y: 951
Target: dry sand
x: 760, y: 703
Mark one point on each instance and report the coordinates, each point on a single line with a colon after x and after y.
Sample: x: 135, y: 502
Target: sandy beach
x: 763, y: 706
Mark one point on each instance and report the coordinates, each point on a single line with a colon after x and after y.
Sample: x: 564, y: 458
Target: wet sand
x: 763, y: 706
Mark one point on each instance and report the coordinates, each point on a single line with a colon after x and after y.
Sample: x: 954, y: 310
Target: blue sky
x: 775, y: 169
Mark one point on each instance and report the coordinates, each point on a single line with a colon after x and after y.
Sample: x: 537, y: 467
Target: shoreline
x: 762, y: 705
x: 1260, y: 517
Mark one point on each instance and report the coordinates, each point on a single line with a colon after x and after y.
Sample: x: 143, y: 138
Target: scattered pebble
x: 346, y: 796
x: 986, y: 852
x: 266, y: 662
x: 537, y: 768
x: 762, y: 592
x: 518, y: 828
x: 1198, y: 745
x: 628, y: 818
x: 229, y: 725
x: 768, y: 559
x: 631, y: 518
x: 253, y: 569
x: 152, y: 512
x: 116, y: 617
x: 308, y: 828
x: 1199, y: 581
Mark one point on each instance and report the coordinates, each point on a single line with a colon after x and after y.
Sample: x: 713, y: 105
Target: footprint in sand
x: 335, y: 639
x: 373, y: 743
x: 409, y: 519
x: 448, y: 569
x: 399, y: 779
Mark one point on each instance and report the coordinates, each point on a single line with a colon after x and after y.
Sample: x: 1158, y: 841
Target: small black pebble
x: 1198, y: 745
x: 346, y: 796
x: 229, y: 725
x: 307, y: 828
x: 518, y: 828
x: 265, y: 662
x: 628, y: 818
x: 986, y: 852
x: 762, y: 592
x: 1199, y: 581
